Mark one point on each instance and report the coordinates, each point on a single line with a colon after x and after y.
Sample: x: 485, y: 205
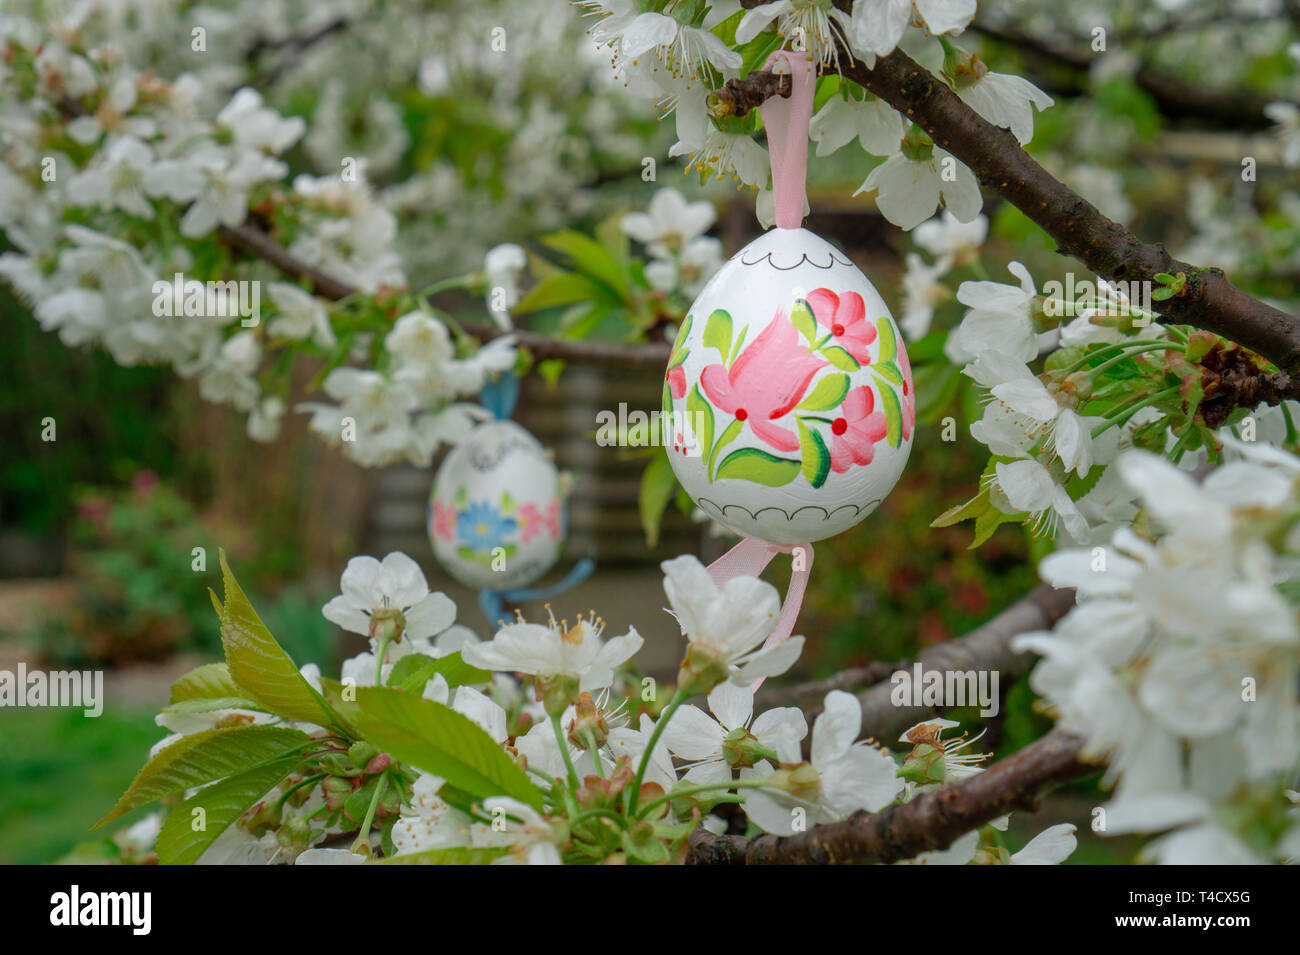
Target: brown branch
x: 258, y: 244
x: 986, y: 648
x: 1208, y: 300
x: 1231, y: 379
x: 930, y: 822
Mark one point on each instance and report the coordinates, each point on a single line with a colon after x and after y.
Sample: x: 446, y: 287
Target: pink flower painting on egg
x: 765, y: 382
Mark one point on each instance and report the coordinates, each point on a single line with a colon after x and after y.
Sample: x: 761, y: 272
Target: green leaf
x: 717, y: 332
x: 890, y: 372
x: 888, y: 340
x: 567, y: 288
x: 658, y: 484
x: 753, y: 464
x: 222, y: 804
x: 827, y: 394
x: 679, y: 355
x: 257, y: 663
x: 414, y: 670
x: 803, y: 319
x: 973, y: 508
x: 701, y: 419
x: 728, y: 435
x: 208, y: 682
x: 893, y: 416
x: 592, y: 258
x: 439, y: 740
x: 211, y: 704
x: 841, y: 359
x: 816, y: 458
x: 202, y: 757
x: 456, y: 855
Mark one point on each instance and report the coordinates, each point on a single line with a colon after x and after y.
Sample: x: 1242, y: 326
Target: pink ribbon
x: 787, y: 122
x: 748, y: 559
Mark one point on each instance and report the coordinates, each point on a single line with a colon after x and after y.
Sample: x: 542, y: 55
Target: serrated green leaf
x: 202, y: 757
x: 893, y: 416
x: 888, y: 340
x: 567, y: 288
x: 211, y: 704
x: 210, y: 681
x: 841, y: 359
x: 753, y: 464
x: 827, y: 394
x: 976, y: 506
x: 258, y: 665
x: 591, y: 258
x: 437, y: 739
x: 456, y: 855
x: 816, y: 459
x: 988, y: 522
x: 414, y: 670
x: 222, y: 804
x: 718, y: 331
x: 658, y: 484
x: 803, y: 319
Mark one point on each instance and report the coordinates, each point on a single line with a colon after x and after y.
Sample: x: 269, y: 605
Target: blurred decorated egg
x: 790, y: 393
x: 496, y: 518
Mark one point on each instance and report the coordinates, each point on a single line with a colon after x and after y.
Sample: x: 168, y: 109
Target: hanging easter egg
x: 789, y: 393
x: 496, y: 515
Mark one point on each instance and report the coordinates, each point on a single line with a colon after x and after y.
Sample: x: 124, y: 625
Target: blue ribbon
x: 492, y: 602
x: 500, y: 395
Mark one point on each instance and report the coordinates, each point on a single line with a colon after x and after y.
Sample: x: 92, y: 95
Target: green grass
x: 60, y: 772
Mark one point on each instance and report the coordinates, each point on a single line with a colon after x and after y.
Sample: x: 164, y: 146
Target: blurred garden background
x: 98, y: 528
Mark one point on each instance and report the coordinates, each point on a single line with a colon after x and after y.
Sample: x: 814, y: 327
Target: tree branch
x: 258, y: 244
x: 986, y: 648
x: 1207, y: 300
x: 930, y: 822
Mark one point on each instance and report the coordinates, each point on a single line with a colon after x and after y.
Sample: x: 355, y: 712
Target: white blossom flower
x: 909, y: 186
x: 876, y: 26
x: 1030, y: 487
x: 670, y: 223
x: 503, y: 265
x: 729, y: 624
x: 395, y: 583
x: 875, y: 124
x: 258, y: 127
x: 1052, y: 846
x: 850, y: 775
x: 948, y: 239
x: 557, y: 650
x: 117, y: 177
x: 816, y: 24
x: 713, y: 745
x: 1004, y: 100
x: 998, y: 319
x: 300, y: 315
x: 922, y: 291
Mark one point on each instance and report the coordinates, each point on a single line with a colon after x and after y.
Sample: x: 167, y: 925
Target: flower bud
x: 557, y: 691
x: 362, y: 752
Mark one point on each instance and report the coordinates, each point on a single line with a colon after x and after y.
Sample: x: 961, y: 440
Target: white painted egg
x: 791, y: 397
x: 496, y: 515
